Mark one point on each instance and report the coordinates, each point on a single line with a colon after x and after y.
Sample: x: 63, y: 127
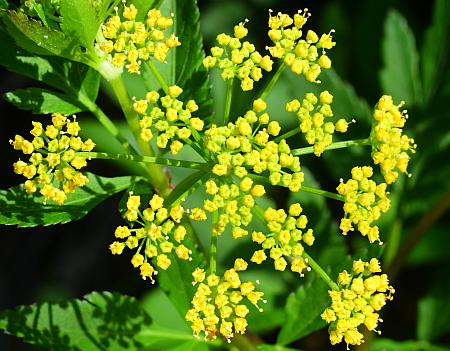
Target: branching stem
x: 319, y: 270
x: 337, y: 145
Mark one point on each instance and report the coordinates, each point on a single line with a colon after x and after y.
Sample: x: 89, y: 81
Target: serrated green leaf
x: 302, y: 309
x: 79, y: 19
x: 19, y: 208
x: 41, y: 101
x: 434, y: 52
x: 32, y: 36
x: 400, y: 74
x: 184, y: 63
x: 73, y: 78
x: 100, y: 321
x: 391, y: 345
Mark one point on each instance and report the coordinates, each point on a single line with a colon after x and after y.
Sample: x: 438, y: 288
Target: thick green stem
x: 322, y: 193
x: 162, y: 82
x: 287, y: 135
x: 273, y: 80
x: 338, y: 145
x: 155, y: 172
x: 228, y: 99
x: 146, y: 159
x: 319, y: 270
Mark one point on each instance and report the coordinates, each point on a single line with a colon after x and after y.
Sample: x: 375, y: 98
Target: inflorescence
x: 303, y: 56
x: 160, y: 234
x: 365, y: 200
x: 239, y: 153
x: 53, y: 166
x: 361, y: 295
x: 313, y: 115
x: 219, y: 305
x: 390, y: 146
x: 130, y: 42
x: 167, y: 116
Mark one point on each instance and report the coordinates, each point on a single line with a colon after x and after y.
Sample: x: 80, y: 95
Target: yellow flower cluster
x: 312, y: 118
x: 360, y: 297
x: 389, y: 146
x: 238, y: 59
x: 173, y: 122
x: 287, y: 230
x: 219, y: 304
x: 301, y: 55
x: 129, y: 42
x: 161, y: 234
x: 364, y: 202
x: 241, y: 146
x: 232, y: 203
x: 53, y: 164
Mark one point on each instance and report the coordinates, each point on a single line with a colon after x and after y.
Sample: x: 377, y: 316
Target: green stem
x: 229, y: 97
x: 338, y: 145
x: 108, y: 124
x: 155, y: 172
x: 243, y: 343
x: 319, y: 270
x: 273, y: 80
x: 146, y: 159
x: 162, y: 82
x: 213, y: 246
x: 322, y: 193
x: 287, y: 135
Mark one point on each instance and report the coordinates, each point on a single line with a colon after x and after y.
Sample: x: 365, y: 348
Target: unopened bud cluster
x: 303, y: 56
x: 313, y: 115
x: 238, y: 59
x: 244, y: 145
x: 130, y: 42
x: 53, y: 164
x: 365, y: 200
x: 169, y: 117
x: 219, y: 306
x: 362, y: 294
x: 390, y: 147
x: 160, y: 235
x: 287, y: 231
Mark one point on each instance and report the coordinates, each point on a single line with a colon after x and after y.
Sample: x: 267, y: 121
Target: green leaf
x: 41, y: 101
x: 19, y: 208
x: 391, y: 345
x: 176, y: 280
x: 32, y: 36
x: 400, y: 74
x: 3, y: 4
x: 74, y: 78
x: 166, y: 318
x: 434, y: 312
x: 184, y: 63
x: 302, y: 309
x: 100, y: 321
x: 434, y: 52
x: 79, y: 20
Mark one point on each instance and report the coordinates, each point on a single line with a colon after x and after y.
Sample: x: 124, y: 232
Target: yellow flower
x: 360, y: 296
x: 391, y: 148
x: 364, y: 202
x: 53, y: 165
x: 154, y: 232
x: 140, y: 40
x: 217, y: 306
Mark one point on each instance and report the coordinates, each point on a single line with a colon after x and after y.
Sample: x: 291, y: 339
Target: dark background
x: 38, y: 264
